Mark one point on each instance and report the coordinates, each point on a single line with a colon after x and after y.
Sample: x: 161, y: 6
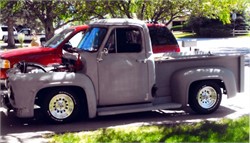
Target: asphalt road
x: 32, y: 130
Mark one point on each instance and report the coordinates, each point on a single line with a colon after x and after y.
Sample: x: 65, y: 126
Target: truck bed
x: 169, y: 64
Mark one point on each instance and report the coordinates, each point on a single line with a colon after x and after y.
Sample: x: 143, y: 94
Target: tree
x: 217, y: 9
x: 107, y: 8
x: 214, y: 14
x: 163, y: 10
x: 10, y: 10
x: 52, y: 13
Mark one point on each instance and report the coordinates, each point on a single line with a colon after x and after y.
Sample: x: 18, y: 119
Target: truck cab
x: 123, y: 53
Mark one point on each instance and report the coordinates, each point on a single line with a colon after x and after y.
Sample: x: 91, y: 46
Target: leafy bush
x: 21, y: 37
x: 214, y: 32
x: 205, y: 27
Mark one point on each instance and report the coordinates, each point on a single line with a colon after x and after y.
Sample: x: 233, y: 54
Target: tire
x: 205, y: 97
x: 5, y: 39
x: 42, y: 43
x: 60, y: 106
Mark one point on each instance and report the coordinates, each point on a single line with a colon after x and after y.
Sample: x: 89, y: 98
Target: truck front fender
x: 181, y: 81
x: 77, y: 80
x: 35, y: 83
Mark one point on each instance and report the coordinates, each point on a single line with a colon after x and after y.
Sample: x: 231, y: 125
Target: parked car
x: 28, y: 35
x: 113, y: 71
x: 4, y: 31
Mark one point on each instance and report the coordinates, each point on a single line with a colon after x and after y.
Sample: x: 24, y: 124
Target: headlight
x: 4, y: 64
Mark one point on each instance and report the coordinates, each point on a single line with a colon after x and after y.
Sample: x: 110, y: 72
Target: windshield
x: 92, y: 39
x: 58, y: 38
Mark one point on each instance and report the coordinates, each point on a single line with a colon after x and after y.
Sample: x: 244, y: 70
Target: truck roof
x: 118, y: 21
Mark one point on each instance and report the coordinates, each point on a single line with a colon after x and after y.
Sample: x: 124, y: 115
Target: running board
x: 135, y: 108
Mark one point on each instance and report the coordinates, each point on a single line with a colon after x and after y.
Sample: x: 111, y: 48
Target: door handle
x: 142, y: 60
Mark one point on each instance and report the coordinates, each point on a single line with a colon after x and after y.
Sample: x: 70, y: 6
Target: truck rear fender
x: 82, y: 85
x: 183, y: 80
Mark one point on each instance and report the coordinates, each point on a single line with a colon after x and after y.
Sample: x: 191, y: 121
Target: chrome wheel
x: 61, y: 106
x: 207, y: 97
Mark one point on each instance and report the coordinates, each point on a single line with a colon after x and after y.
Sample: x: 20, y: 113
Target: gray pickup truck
x: 113, y: 71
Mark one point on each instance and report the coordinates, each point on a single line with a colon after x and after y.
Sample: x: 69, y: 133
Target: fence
x: 240, y: 32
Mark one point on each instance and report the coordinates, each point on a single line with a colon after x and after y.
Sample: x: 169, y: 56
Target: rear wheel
x: 205, y: 97
x: 5, y: 39
x: 61, y: 105
x: 42, y: 41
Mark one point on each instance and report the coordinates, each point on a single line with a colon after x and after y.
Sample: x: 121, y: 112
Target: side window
x: 26, y: 32
x: 161, y: 36
x: 75, y: 40
x: 110, y: 45
x: 124, y: 40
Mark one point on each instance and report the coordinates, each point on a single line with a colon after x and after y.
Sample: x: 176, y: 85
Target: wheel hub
x: 61, y: 106
x: 207, y: 97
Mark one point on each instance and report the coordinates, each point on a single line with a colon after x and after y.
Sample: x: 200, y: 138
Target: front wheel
x: 205, y: 97
x: 61, y: 106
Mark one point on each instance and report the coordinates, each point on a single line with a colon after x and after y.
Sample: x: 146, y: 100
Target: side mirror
x: 67, y: 47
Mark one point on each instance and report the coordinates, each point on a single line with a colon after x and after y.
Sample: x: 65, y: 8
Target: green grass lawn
x: 184, y: 35
x: 193, y: 35
x: 225, y: 130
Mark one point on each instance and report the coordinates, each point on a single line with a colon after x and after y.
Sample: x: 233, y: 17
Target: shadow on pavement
x: 12, y: 125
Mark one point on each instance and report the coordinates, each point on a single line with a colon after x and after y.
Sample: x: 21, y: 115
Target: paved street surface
x: 220, y: 45
x: 33, y: 130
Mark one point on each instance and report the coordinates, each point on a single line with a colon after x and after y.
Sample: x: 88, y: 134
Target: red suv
x: 49, y: 53
x: 162, y: 41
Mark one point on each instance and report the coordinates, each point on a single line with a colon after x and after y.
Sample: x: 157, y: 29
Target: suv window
x: 4, y: 28
x: 161, y: 36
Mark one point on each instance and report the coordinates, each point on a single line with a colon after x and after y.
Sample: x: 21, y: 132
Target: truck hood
x: 23, y: 51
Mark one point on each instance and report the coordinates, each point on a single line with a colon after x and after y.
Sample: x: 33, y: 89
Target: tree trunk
x: 49, y: 29
x: 11, y: 41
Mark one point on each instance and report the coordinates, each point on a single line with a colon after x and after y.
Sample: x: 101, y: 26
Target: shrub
x: 214, y: 32
x: 21, y: 37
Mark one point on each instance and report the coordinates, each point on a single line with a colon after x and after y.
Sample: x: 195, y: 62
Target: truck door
x: 123, y: 75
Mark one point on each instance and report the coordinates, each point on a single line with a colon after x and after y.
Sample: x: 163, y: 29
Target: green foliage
x: 12, y: 9
x: 215, y: 32
x: 204, y: 27
x: 184, y: 35
x: 218, y: 9
x: 222, y: 131
x: 55, y: 14
x: 21, y: 37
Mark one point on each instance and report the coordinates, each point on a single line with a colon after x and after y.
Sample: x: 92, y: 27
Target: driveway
x: 219, y: 45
